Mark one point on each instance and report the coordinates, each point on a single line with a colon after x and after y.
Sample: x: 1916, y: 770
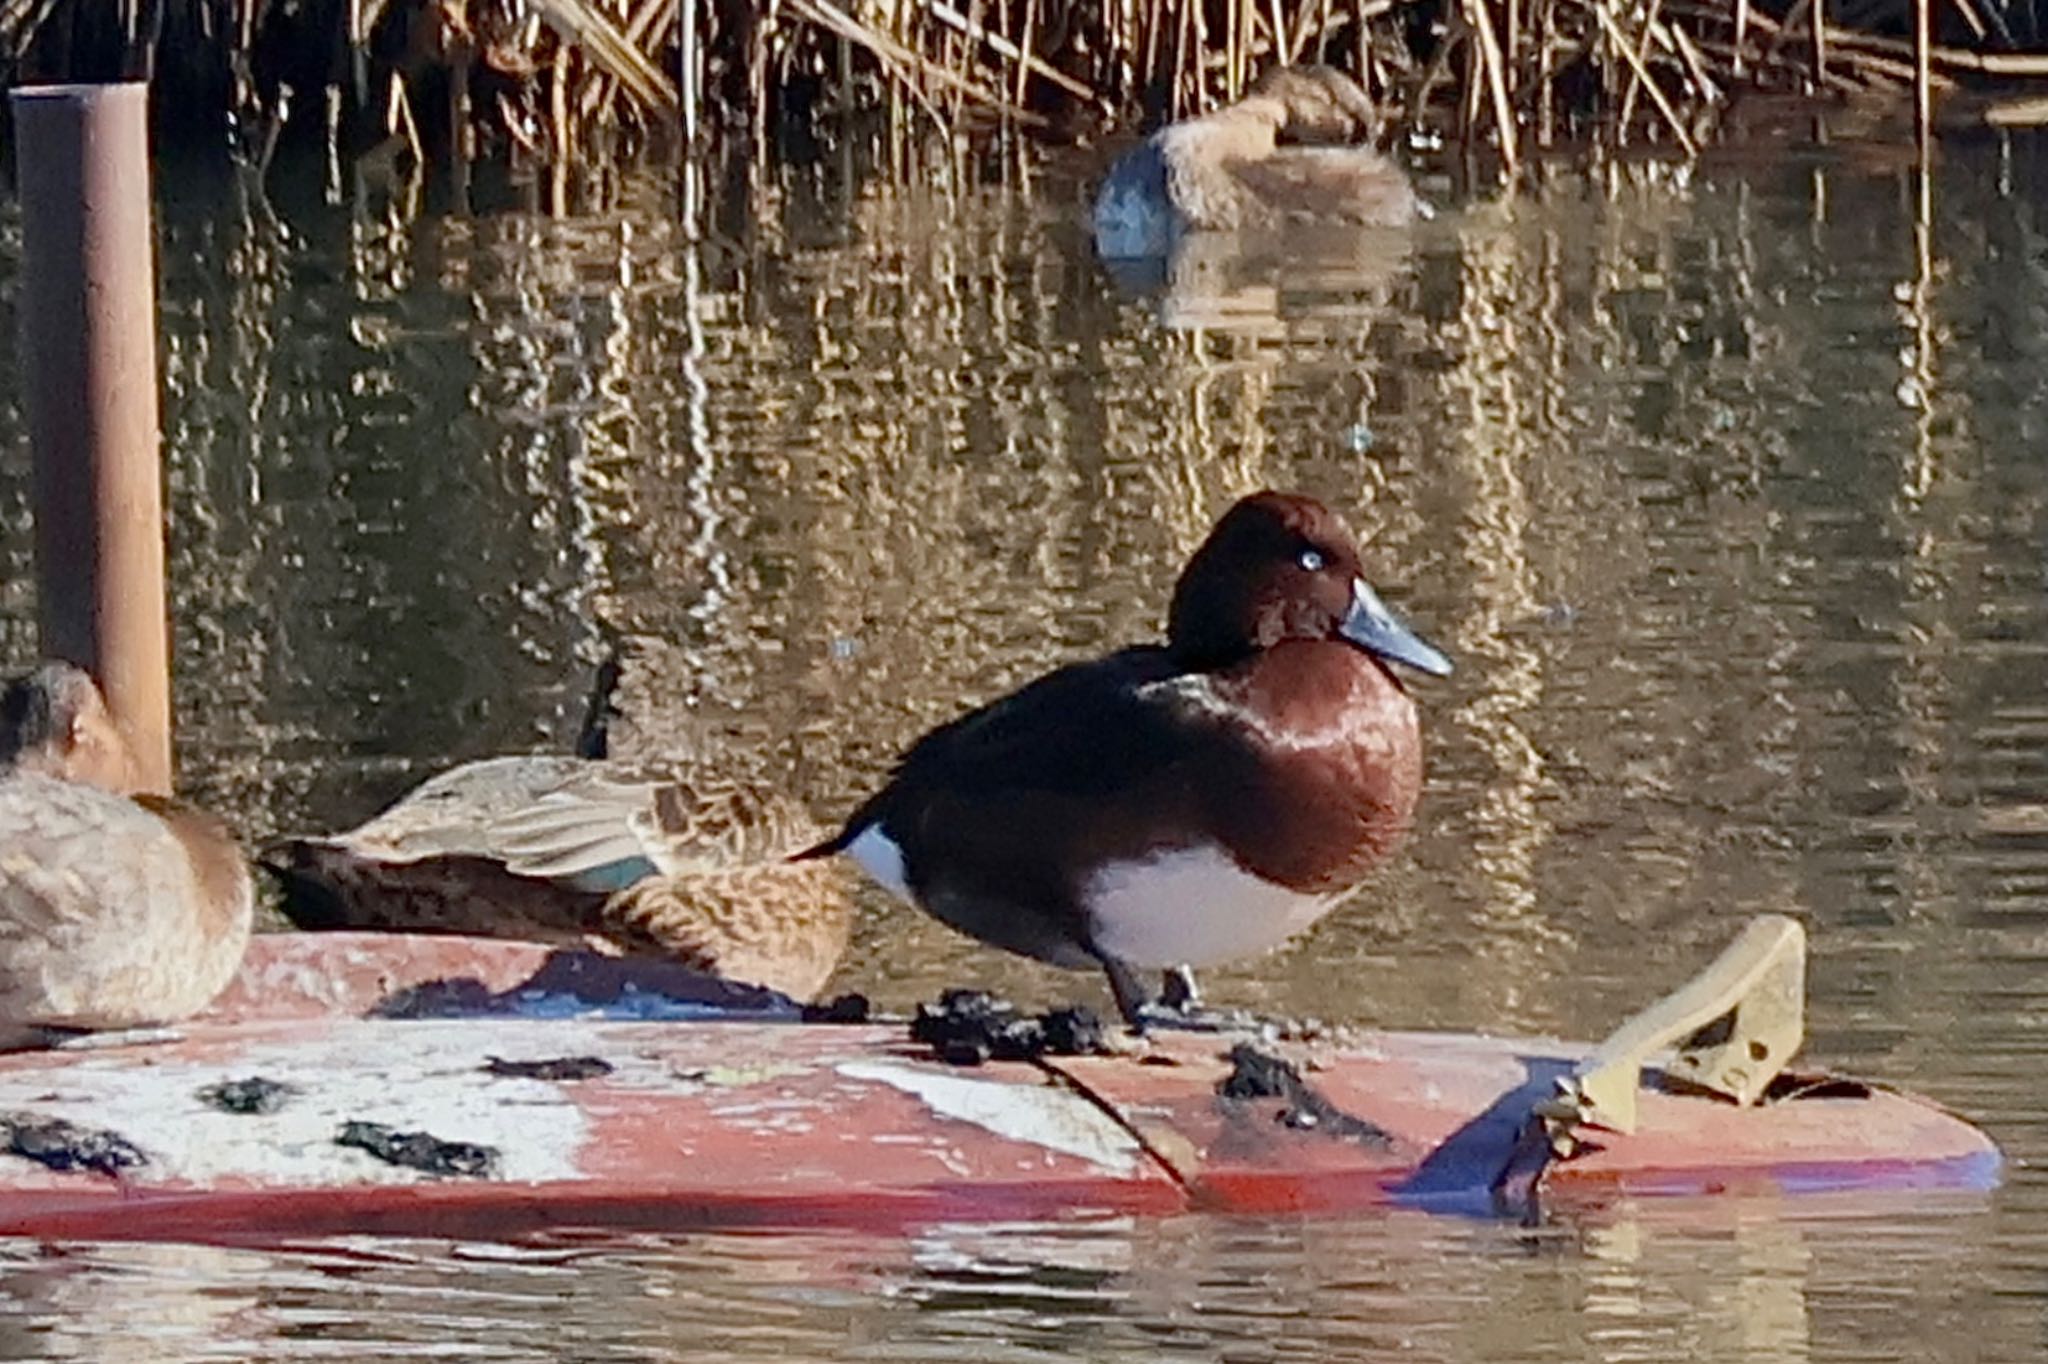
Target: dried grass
x: 570, y: 79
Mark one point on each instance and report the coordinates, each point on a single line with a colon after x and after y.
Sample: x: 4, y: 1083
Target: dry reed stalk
x: 1968, y: 9
x: 1361, y: 35
x: 2025, y: 111
x: 644, y: 26
x: 964, y: 43
x: 1628, y: 96
x: 1892, y: 58
x: 1496, y: 81
x: 749, y: 41
x: 1988, y: 63
x: 1695, y: 63
x: 1793, y: 71
x: 558, y: 109
x: 1007, y: 50
x: 1030, y: 63
x: 1657, y: 96
x: 907, y: 64
x: 461, y: 130
x: 1923, y: 92
x: 1148, y: 63
x: 955, y: 58
x: 399, y: 122
x: 593, y: 34
x: 689, y: 76
x: 1817, y: 29
x: 1232, y: 34
x: 1469, y: 84
x: 1439, y: 64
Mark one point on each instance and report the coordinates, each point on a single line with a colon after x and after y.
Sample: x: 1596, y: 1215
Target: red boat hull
x: 769, y: 1123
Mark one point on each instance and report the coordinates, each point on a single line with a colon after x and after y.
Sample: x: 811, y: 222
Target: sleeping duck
x: 674, y: 862
x: 118, y: 909
x: 1278, y: 156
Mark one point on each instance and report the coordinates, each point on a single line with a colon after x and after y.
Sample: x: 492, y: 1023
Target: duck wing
x: 609, y: 826
x: 1354, y: 185
x: 452, y: 814
x: 1102, y: 726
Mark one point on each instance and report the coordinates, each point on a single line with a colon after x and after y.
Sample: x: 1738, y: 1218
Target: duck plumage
x: 118, y: 909
x: 1174, y: 804
x: 674, y: 861
x: 1280, y: 155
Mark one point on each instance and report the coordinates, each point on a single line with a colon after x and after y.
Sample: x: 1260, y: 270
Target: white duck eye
x: 1311, y: 560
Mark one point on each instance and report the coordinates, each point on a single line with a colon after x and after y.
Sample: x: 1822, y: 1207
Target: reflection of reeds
x: 884, y: 450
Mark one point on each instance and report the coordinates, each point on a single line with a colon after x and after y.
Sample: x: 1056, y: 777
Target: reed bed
x: 566, y: 80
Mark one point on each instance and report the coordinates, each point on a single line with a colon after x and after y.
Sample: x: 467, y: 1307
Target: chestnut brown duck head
x: 118, y: 909
x: 1282, y: 154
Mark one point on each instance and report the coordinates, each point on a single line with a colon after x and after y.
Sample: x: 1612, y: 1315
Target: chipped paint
x: 735, y: 1077
x: 1042, y: 1115
x: 753, y: 1123
x: 410, y: 1076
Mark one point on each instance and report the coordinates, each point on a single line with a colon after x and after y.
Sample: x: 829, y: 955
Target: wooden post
x: 88, y: 311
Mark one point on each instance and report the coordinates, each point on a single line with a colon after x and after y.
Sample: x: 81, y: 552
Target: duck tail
x: 306, y: 897
x: 831, y: 846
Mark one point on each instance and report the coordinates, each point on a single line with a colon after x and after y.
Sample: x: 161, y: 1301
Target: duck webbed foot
x: 1178, y: 1007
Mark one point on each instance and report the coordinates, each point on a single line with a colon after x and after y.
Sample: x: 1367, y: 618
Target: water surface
x: 1727, y: 493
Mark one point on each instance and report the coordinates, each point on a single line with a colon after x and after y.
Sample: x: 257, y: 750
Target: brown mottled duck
x: 118, y: 909
x: 1280, y: 155
x: 676, y: 863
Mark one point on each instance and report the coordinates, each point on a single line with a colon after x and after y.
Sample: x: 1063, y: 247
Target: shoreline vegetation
x: 562, y: 81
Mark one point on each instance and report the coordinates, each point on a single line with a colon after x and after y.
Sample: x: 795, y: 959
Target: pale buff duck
x: 673, y: 862
x: 1261, y: 163
x: 117, y: 910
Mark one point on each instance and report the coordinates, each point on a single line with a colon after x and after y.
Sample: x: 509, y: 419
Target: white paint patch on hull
x: 1041, y: 1115
x: 1194, y: 907
x: 413, y: 1076
x: 881, y: 859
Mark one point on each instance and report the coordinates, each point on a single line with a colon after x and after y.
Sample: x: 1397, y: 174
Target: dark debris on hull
x: 420, y: 1150
x: 254, y: 1096
x: 557, y: 1068
x: 1256, y: 1074
x: 969, y: 1027
x: 64, y: 1147
x: 847, y: 1008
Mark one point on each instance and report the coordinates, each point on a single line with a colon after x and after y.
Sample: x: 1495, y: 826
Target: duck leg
x: 1178, y: 991
x: 1131, y: 1000
x: 1179, y: 1005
